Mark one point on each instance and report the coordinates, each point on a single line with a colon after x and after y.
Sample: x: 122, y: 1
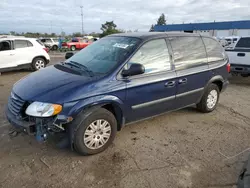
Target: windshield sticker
x: 119, y: 45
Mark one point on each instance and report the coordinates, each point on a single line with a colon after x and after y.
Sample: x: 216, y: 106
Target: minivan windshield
x: 105, y: 54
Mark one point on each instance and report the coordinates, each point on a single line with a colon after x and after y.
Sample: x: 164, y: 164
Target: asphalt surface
x: 180, y: 149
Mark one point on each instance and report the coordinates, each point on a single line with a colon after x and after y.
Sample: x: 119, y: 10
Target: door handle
x: 170, y: 84
x: 241, y: 54
x: 12, y: 54
x: 183, y: 81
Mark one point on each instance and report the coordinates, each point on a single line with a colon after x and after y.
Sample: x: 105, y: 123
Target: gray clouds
x: 37, y: 15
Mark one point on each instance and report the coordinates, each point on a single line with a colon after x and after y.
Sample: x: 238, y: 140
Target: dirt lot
x: 180, y: 149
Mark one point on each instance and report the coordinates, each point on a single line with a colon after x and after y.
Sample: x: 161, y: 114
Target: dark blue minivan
x: 119, y: 79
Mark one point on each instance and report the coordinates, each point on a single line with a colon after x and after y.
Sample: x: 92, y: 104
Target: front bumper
x: 18, y: 123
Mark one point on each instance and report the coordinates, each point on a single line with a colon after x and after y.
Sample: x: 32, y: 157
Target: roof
x: 148, y: 35
x: 19, y: 38
x: 245, y: 24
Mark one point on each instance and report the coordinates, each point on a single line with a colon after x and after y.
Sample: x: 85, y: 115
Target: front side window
x: 188, y: 52
x: 153, y: 55
x: 214, y: 50
x: 105, y: 54
x: 5, y: 45
x: 21, y: 44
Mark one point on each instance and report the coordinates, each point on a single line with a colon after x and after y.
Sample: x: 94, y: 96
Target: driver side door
x: 152, y: 92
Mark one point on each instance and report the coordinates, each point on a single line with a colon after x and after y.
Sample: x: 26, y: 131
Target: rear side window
x: 22, y: 44
x: 244, y: 43
x: 214, y: 50
x: 40, y: 42
x: 153, y: 55
x: 188, y: 52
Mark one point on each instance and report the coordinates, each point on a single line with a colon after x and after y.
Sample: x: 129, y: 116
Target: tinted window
x: 214, y: 50
x: 105, y: 54
x: 5, y: 45
x: 21, y: 44
x: 153, y: 56
x: 244, y: 43
x: 188, y: 51
x: 29, y: 43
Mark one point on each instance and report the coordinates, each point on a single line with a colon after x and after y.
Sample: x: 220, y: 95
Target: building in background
x: 217, y: 29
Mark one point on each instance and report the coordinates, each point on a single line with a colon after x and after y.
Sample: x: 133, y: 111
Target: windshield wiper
x: 80, y: 66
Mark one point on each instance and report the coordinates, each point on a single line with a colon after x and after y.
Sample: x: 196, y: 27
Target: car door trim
x: 190, y: 92
x: 143, y: 105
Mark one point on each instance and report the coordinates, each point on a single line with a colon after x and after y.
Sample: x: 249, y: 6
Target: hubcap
x: 97, y: 134
x: 212, y: 99
x: 39, y: 64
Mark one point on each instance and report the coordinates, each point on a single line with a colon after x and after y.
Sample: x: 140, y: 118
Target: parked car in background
x: 51, y: 43
x: 76, y: 44
x: 239, y: 57
x: 22, y: 53
x: 117, y: 80
x: 231, y: 41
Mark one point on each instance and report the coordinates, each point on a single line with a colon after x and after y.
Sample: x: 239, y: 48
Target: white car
x: 52, y: 43
x: 22, y: 53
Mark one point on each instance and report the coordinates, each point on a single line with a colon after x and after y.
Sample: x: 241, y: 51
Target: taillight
x: 228, y: 67
x: 46, y: 49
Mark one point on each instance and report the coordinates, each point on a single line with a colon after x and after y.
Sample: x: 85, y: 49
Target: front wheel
x: 209, y: 99
x: 95, y: 132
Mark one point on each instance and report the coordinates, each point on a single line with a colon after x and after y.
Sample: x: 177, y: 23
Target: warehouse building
x: 217, y: 29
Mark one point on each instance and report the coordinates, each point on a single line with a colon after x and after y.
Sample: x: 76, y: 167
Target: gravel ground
x: 179, y: 149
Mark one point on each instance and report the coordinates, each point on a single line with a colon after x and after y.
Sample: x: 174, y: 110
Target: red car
x: 76, y: 43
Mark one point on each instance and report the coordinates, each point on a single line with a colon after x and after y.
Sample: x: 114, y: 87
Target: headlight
x: 40, y: 109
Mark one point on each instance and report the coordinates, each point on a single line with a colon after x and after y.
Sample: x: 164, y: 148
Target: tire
x: 212, y: 94
x: 38, y: 63
x: 72, y: 48
x: 85, y: 141
x: 55, y: 47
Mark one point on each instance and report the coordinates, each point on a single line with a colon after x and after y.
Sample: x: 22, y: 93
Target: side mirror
x: 69, y: 55
x: 134, y: 69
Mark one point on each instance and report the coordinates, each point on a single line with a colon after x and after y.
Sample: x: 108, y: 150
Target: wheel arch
x: 218, y: 80
x: 40, y: 56
x: 110, y: 103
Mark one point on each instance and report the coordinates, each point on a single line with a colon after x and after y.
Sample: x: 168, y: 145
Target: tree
x: 152, y: 28
x: 161, y: 20
x: 77, y: 34
x: 109, y: 28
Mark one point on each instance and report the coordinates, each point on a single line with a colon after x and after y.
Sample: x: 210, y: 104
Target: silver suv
x: 51, y: 43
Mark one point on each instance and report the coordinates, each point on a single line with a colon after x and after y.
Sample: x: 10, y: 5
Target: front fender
x: 77, y: 107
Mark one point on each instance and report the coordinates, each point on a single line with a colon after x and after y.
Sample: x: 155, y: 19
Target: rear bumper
x: 224, y: 85
x: 242, y: 69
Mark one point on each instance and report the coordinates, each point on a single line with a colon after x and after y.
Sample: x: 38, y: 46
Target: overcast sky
x: 65, y: 15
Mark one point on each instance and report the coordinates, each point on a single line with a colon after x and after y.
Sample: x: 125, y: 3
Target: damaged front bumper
x: 41, y: 128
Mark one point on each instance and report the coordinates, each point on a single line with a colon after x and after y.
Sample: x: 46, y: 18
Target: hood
x: 50, y: 85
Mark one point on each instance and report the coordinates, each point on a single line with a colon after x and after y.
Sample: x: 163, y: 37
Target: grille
x: 15, y: 104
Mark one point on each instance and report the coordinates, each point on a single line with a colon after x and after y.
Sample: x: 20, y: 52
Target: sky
x: 65, y: 15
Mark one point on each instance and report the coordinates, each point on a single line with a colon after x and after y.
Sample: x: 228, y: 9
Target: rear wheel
x: 72, y: 48
x: 209, y: 99
x: 55, y: 47
x: 38, y: 63
x: 95, y: 132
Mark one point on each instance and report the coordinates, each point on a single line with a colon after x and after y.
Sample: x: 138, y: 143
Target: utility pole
x: 82, y: 18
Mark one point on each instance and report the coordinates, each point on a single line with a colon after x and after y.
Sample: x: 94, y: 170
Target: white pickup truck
x: 239, y: 57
